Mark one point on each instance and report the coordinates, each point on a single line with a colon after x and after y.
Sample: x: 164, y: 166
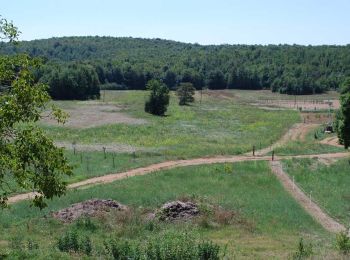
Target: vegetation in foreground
x: 328, y: 182
x: 264, y: 213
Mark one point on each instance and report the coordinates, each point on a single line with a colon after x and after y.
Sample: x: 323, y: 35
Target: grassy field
x: 329, y: 184
x: 309, y: 145
x: 270, y: 221
x: 267, y: 222
x: 217, y: 126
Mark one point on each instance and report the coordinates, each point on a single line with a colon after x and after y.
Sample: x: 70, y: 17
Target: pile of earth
x: 88, y: 208
x: 178, y: 210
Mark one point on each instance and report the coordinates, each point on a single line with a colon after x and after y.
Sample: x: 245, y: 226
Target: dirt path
x: 332, y: 140
x: 297, y: 132
x: 173, y: 164
x: 311, y: 207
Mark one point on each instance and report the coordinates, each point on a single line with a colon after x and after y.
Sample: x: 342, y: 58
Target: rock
x: 178, y: 210
x: 87, y: 208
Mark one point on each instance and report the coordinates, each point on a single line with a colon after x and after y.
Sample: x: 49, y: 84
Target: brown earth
x: 88, y: 208
x: 297, y: 132
x: 92, y: 115
x: 308, y: 204
x: 332, y: 140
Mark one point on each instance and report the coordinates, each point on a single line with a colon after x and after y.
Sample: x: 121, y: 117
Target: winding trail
x: 296, y: 132
x: 310, y: 206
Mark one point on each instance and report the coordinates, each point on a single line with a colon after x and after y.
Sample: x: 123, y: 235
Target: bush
x: 208, y: 250
x: 175, y: 246
x: 185, y: 92
x: 72, y: 242
x: 303, y: 251
x: 158, y: 101
x: 120, y: 249
x: 343, y: 242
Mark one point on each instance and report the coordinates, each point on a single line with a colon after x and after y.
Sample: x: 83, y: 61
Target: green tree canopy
x: 185, y: 92
x: 343, y: 116
x: 158, y: 101
x: 28, y: 158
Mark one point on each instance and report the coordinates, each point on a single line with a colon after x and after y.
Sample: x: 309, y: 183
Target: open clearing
x: 86, y: 115
x: 202, y: 151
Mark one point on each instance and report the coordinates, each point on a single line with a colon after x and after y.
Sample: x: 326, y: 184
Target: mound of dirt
x: 178, y: 210
x: 87, y: 208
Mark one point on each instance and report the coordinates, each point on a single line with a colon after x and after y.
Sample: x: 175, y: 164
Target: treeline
x: 129, y: 63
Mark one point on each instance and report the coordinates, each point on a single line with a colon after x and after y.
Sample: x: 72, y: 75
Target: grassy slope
x: 276, y: 220
x: 218, y: 126
x: 308, y: 146
x: 329, y: 184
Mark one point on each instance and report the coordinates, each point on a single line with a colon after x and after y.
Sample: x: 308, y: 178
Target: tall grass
x: 329, y: 184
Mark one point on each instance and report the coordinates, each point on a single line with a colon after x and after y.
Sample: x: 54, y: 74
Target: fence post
x: 104, y: 151
x: 273, y: 155
x: 253, y: 150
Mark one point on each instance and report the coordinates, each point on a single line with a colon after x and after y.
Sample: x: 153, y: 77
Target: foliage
x: 185, y: 92
x: 171, y: 245
x: 304, y: 250
x: 290, y: 69
x: 158, y: 101
x: 343, y: 116
x: 26, y: 153
x: 343, y: 242
x: 71, y: 241
x: 77, y: 81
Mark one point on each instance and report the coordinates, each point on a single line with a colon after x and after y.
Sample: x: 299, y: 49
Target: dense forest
x: 75, y: 66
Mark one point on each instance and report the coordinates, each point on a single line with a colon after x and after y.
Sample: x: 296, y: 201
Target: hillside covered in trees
x: 73, y: 63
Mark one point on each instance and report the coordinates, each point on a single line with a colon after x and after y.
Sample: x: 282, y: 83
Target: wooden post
x: 273, y: 155
x: 253, y: 150
x: 104, y: 151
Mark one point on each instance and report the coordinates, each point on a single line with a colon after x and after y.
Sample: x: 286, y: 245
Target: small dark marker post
x: 253, y: 150
x: 104, y: 152
x: 273, y: 155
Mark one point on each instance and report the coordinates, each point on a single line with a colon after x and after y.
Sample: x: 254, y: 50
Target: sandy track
x: 333, y: 140
x: 297, y: 132
x: 311, y: 207
x: 173, y: 164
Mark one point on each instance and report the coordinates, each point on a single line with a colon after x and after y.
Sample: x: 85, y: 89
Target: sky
x: 314, y: 22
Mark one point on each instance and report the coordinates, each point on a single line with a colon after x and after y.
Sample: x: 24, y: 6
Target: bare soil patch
x: 88, y: 208
x: 178, y: 210
x: 297, y: 132
x: 332, y: 140
x: 317, y: 118
x: 87, y: 115
x: 112, y: 147
x: 309, y: 105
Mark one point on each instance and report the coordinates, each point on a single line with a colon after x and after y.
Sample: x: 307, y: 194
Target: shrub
x: 303, y: 251
x: 172, y: 245
x: 185, y: 92
x: 343, y: 242
x: 158, y: 101
x: 120, y: 249
x: 208, y: 250
x: 72, y: 242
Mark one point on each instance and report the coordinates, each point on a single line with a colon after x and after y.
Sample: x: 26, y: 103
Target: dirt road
x: 310, y: 206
